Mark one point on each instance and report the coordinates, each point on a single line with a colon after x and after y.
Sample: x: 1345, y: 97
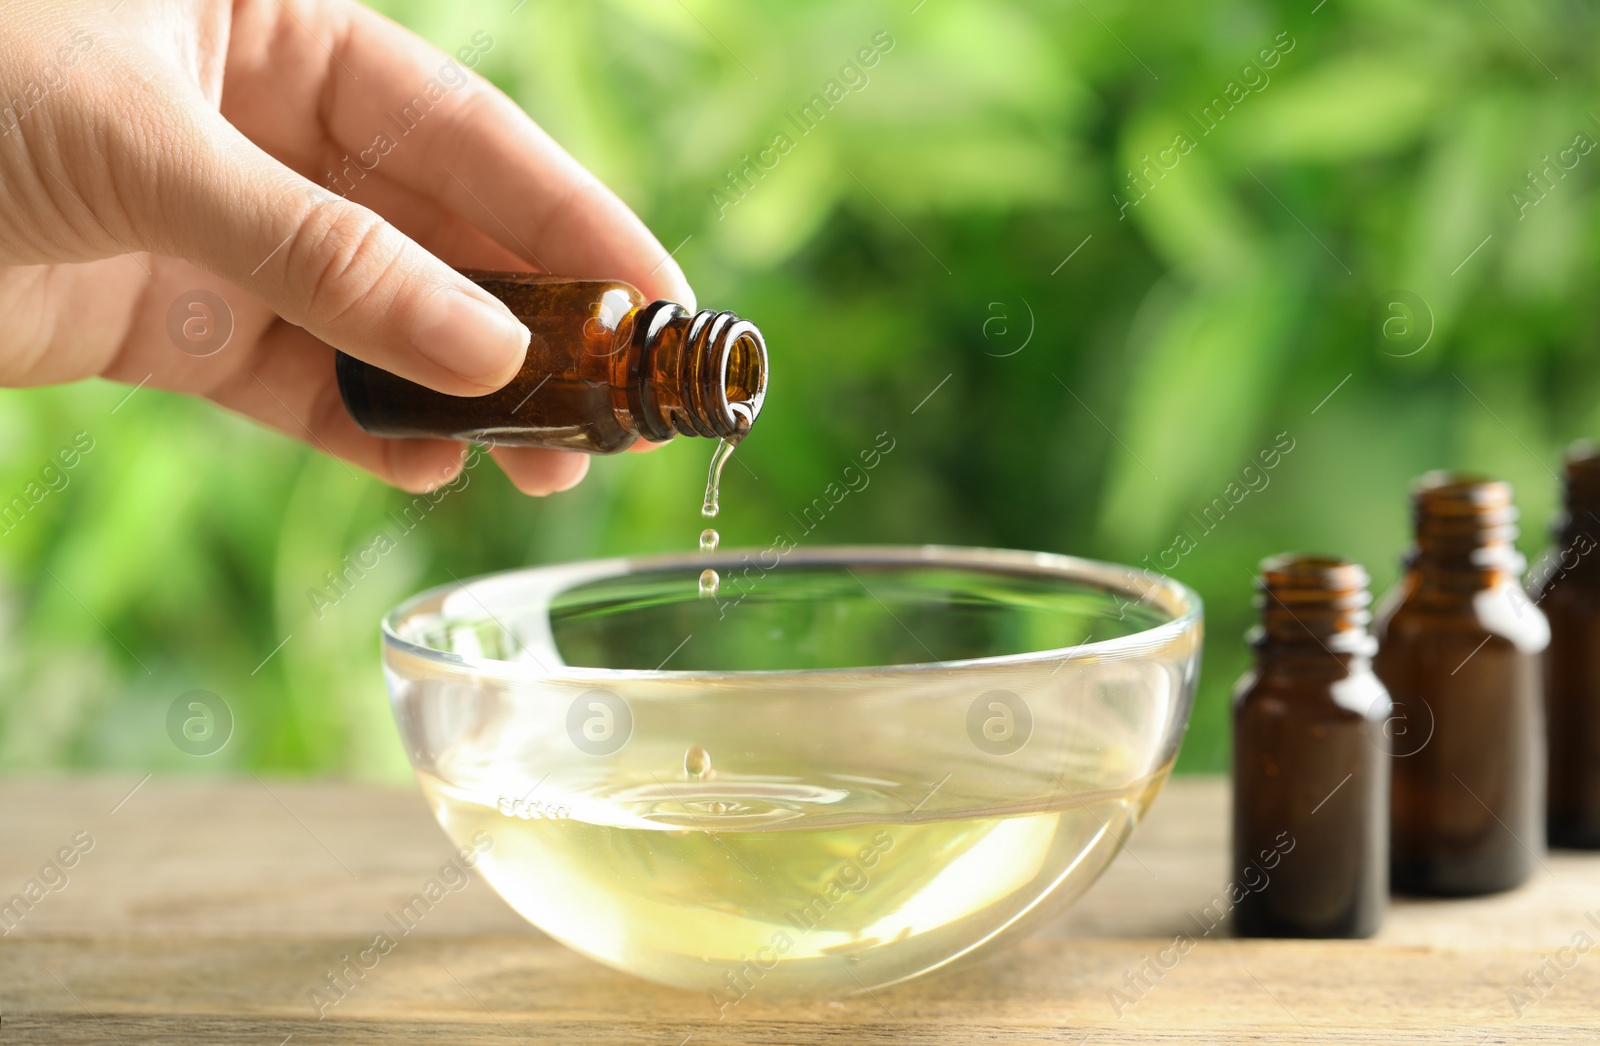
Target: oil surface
x: 796, y: 616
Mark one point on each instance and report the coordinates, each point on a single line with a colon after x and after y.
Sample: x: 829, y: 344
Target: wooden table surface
x: 206, y: 912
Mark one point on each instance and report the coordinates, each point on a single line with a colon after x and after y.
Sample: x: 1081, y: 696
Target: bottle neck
x: 1465, y: 527
x: 1576, y: 531
x: 1313, y: 613
x: 700, y: 374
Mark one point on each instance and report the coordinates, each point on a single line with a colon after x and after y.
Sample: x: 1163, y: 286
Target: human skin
x: 154, y: 148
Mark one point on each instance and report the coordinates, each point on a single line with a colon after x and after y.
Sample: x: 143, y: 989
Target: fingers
x: 445, y: 235
x: 470, y: 147
x: 278, y: 374
x: 290, y: 386
x: 532, y: 471
x: 538, y: 472
x: 327, y: 264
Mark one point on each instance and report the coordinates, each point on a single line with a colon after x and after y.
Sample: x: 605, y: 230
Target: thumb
x: 334, y: 267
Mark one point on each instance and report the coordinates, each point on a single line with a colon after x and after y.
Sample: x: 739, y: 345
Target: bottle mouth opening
x: 1312, y: 572
x: 1312, y: 599
x: 728, y: 358
x: 1297, y: 584
x: 1439, y: 494
x: 1464, y: 517
x: 744, y: 378
x: 706, y: 374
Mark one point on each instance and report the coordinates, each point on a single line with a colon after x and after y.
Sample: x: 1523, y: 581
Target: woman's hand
x: 307, y: 162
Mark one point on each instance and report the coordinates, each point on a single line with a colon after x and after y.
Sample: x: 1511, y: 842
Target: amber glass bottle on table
x: 1460, y: 648
x: 1310, y: 758
x: 604, y: 368
x: 1567, y: 587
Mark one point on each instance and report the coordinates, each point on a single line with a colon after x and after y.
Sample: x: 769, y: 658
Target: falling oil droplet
x: 709, y: 581
x: 718, y: 807
x: 719, y: 458
x: 709, y: 539
x: 724, y: 451
x: 697, y: 761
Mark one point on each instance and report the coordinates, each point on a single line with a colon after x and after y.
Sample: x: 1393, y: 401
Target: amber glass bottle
x: 604, y: 368
x: 1567, y: 588
x: 1310, y: 759
x: 1460, y: 649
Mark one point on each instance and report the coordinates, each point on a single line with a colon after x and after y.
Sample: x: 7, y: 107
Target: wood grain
x: 206, y: 912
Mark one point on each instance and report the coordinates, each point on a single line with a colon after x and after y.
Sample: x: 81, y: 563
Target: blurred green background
x: 1358, y: 219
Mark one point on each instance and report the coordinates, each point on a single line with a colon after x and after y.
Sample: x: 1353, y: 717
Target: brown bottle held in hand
x: 1311, y: 759
x: 604, y: 368
x: 1567, y: 587
x: 1460, y: 649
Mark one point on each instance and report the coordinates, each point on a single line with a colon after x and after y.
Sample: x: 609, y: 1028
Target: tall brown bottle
x: 1459, y: 648
x: 1567, y: 588
x: 604, y: 368
x: 1310, y: 758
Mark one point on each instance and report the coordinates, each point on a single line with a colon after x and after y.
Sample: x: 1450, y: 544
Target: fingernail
x: 481, y: 342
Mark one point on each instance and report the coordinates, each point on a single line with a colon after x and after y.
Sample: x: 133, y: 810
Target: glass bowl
x: 847, y: 767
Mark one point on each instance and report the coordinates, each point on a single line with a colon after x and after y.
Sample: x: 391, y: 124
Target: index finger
x: 454, y: 137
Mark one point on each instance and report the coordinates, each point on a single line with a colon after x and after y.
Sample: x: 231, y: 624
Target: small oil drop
x: 709, y: 540
x: 709, y: 582
x: 697, y: 762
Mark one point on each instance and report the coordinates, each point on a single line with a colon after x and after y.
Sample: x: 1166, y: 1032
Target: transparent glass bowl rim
x: 1144, y: 586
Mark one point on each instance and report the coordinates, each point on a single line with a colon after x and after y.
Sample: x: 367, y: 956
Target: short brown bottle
x: 604, y: 368
x: 1311, y: 759
x: 1460, y: 649
x: 1566, y: 585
